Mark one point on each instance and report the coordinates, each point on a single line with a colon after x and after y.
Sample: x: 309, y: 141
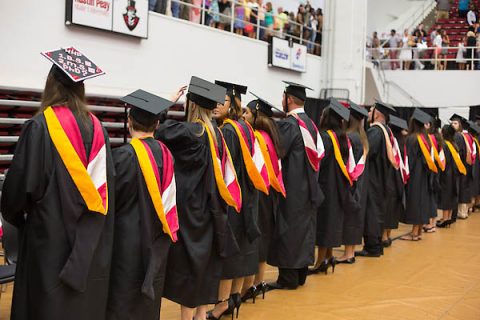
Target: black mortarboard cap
x: 398, y: 123
x: 339, y: 109
x: 457, y: 117
x: 357, y: 111
x: 232, y: 88
x: 296, y: 90
x: 421, y: 116
x: 384, y: 107
x: 262, y: 105
x: 71, y: 66
x: 473, y: 127
x: 205, y: 93
x: 146, y: 106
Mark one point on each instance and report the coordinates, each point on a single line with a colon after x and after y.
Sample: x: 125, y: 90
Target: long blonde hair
x: 355, y: 125
x: 196, y: 112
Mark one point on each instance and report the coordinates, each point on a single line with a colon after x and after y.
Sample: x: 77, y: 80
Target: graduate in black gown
x: 418, y: 190
x: 194, y: 263
x: 65, y: 221
x: 380, y: 160
x: 449, y: 178
x: 242, y: 250
x: 396, y: 199
x: 259, y: 114
x: 465, y: 192
x: 293, y: 242
x: 336, y: 183
x: 474, y: 130
x: 146, y: 221
x: 354, y: 219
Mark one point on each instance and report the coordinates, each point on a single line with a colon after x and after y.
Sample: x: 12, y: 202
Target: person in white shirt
x: 437, y: 43
x: 471, y: 17
x: 393, y: 44
x: 460, y: 60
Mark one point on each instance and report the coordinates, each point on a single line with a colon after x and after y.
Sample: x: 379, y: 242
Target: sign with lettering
x: 291, y: 56
x: 123, y: 16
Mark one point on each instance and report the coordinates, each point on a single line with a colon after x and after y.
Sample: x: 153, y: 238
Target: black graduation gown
x: 331, y: 213
x: 141, y: 247
x: 465, y: 192
x: 396, y: 199
x: 267, y: 215
x: 418, y: 202
x: 194, y: 263
x: 447, y: 197
x: 242, y: 248
x: 476, y: 175
x: 377, y: 175
x: 65, y: 250
x: 355, y: 214
x: 293, y: 242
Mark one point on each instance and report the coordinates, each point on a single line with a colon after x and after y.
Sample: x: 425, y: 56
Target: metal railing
x: 436, y: 56
x: 207, y: 13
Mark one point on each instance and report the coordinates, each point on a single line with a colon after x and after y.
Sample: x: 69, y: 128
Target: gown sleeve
x: 125, y: 186
x: 287, y: 138
x: 28, y: 175
x: 374, y: 141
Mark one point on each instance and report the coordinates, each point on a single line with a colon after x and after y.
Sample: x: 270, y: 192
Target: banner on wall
x: 287, y: 55
x: 123, y: 16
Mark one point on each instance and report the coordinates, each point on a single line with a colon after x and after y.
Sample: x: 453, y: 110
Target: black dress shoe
x: 365, y: 253
x: 347, y: 261
x: 386, y: 243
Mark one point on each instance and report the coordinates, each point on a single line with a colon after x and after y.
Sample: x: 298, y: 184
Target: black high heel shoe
x: 231, y: 307
x: 347, y: 261
x: 443, y: 224
x: 250, y: 294
x: 323, y: 267
x: 332, y: 261
x: 237, y: 302
x: 262, y: 287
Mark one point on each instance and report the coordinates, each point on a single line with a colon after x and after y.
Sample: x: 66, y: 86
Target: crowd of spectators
x: 251, y: 18
x: 418, y: 50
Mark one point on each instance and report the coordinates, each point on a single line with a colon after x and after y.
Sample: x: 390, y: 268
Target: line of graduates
x: 194, y: 211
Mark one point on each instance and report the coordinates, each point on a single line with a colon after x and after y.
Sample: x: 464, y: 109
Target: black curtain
x: 474, y: 113
x: 407, y: 112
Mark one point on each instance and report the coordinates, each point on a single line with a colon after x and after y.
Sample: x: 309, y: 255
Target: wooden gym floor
x: 435, y: 278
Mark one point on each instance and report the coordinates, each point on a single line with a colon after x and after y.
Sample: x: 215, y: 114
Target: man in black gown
x: 293, y: 243
x: 376, y: 171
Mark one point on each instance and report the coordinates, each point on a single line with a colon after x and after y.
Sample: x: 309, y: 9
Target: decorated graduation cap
x: 385, y: 108
x: 205, y: 93
x: 339, y: 109
x: 232, y: 89
x: 146, y: 107
x: 421, y: 116
x: 357, y: 111
x: 398, y: 123
x: 70, y: 66
x: 297, y: 90
x: 262, y: 105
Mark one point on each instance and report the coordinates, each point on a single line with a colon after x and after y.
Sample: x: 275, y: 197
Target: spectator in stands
x: 300, y: 22
x: 195, y: 12
x: 460, y: 60
x: 239, y: 24
x: 269, y: 22
x: 214, y: 15
x: 253, y: 6
x: 471, y: 17
x: 445, y: 45
x: 471, y: 43
x: 434, y: 34
x: 318, y: 38
x: 375, y: 48
x: 185, y: 11
x: 463, y: 8
x: 437, y: 44
x: 291, y: 26
x: 261, y: 19
x: 225, y: 14
x: 175, y: 8
x: 443, y: 9
x: 313, y: 30
x: 393, y: 43
x: 281, y: 21
x: 419, y: 51
x: 406, y: 53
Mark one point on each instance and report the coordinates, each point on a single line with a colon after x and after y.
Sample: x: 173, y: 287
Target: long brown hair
x: 356, y: 125
x: 71, y: 95
x: 265, y: 123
